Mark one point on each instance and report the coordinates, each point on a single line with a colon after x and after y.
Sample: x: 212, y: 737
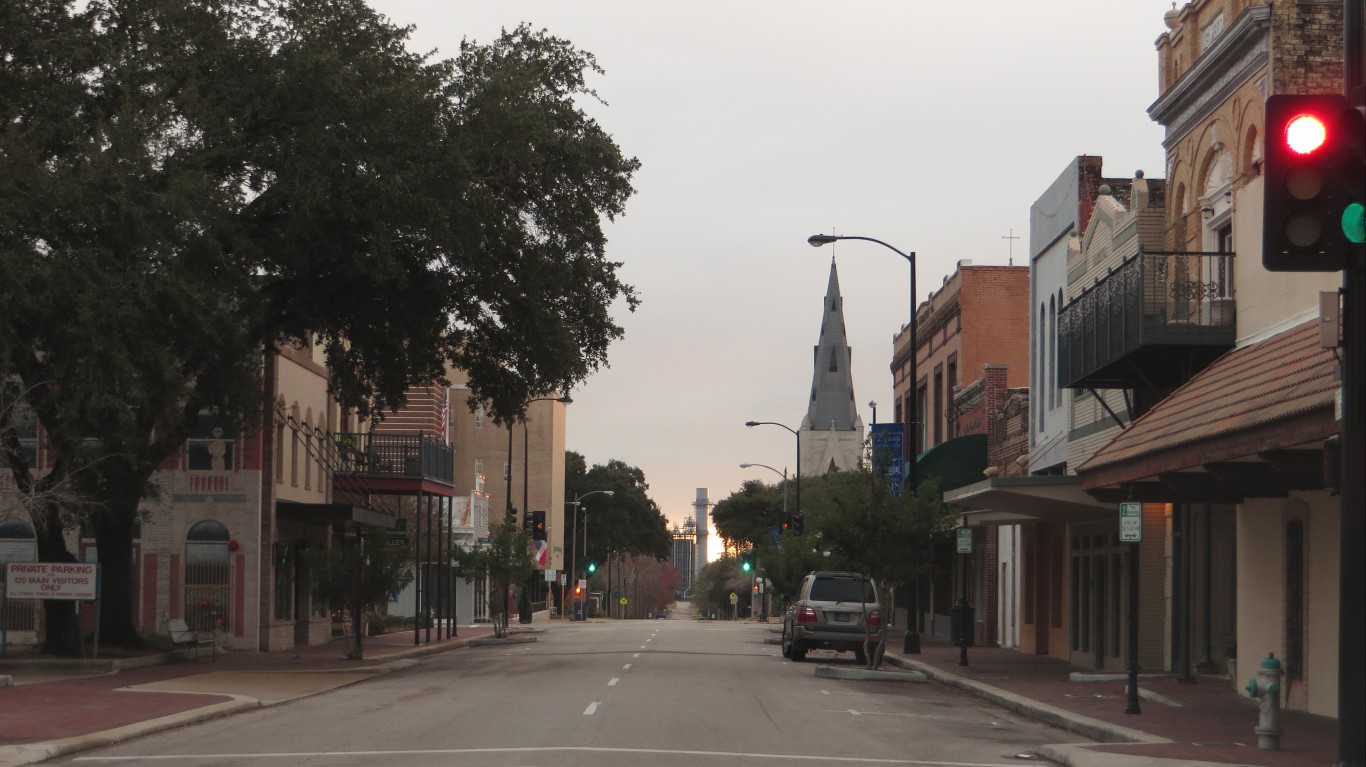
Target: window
x: 1294, y: 598
x: 24, y: 424
x: 938, y: 406
x: 207, y: 576
x: 210, y: 446
x: 1050, y: 364
x: 479, y: 417
x: 280, y: 451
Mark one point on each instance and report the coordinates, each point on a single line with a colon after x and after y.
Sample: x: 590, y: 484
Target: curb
x: 834, y: 672
x: 1093, y: 729
x: 31, y: 753
x: 487, y: 641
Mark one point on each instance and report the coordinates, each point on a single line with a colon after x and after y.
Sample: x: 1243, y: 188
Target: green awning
x: 954, y: 463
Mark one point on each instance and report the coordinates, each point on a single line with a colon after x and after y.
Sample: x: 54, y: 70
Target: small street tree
x: 887, y: 537
x: 357, y: 578
x: 504, y: 563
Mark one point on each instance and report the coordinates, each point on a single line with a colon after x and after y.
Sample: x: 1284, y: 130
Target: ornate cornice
x: 1230, y: 63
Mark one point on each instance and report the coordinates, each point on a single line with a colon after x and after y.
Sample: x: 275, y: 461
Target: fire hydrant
x: 1267, y: 689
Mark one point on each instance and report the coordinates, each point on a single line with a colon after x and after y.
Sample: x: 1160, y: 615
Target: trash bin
x: 960, y: 623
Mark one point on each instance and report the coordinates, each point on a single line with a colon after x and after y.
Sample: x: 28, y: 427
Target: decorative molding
x: 1230, y: 63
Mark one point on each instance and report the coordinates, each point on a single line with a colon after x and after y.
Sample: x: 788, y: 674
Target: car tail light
x: 874, y: 618
x: 806, y: 615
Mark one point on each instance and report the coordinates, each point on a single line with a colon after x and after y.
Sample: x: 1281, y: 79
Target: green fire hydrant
x: 1266, y: 688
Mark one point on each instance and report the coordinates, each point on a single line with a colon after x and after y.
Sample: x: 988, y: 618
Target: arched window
x: 207, y: 576
x: 1052, y: 369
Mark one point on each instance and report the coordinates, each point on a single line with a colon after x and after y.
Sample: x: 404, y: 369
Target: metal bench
x: 183, y: 637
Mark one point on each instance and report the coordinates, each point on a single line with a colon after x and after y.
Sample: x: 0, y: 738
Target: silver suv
x: 834, y: 611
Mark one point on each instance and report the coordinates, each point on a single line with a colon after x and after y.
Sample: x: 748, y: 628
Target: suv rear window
x: 840, y: 590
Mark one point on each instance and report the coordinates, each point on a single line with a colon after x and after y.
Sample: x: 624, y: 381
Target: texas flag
x: 541, y: 552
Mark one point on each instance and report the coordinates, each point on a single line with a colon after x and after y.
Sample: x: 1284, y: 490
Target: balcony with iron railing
x: 1151, y: 323
x: 380, y: 462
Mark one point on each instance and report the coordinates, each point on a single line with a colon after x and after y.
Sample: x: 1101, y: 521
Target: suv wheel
x: 787, y: 648
x: 798, y: 651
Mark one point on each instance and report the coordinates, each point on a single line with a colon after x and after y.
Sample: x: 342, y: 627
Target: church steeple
x: 831, y: 408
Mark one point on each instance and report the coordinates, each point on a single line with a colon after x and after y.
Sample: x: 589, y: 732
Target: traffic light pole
x: 1352, y: 540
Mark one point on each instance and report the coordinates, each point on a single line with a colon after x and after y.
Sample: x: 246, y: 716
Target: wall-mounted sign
x: 1130, y: 522
x: 964, y: 540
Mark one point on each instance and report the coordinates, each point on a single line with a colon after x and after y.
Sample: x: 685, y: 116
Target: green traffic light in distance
x: 744, y: 566
x: 592, y: 568
x: 1354, y: 223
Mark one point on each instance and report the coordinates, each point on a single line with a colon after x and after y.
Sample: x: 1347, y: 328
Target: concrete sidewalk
x: 1203, y: 720
x: 54, y: 707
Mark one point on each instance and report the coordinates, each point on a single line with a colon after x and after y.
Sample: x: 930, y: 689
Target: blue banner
x: 889, y: 450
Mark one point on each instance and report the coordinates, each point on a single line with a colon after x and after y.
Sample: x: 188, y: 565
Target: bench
x: 183, y: 637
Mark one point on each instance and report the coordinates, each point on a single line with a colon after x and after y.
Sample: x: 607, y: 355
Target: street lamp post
x: 912, y: 641
x: 763, y: 603
x: 796, y: 434
x: 526, y: 479
x: 574, y: 541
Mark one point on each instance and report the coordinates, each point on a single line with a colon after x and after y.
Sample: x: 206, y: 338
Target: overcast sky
x: 931, y: 126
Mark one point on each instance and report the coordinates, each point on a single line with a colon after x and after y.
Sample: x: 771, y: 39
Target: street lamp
x: 817, y: 240
x: 574, y: 541
x: 912, y: 642
x: 752, y: 424
x: 763, y: 603
x: 775, y: 471
x: 566, y: 399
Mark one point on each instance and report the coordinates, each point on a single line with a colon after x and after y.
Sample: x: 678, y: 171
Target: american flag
x: 445, y: 414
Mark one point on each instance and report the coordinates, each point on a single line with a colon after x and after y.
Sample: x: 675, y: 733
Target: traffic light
x: 1313, y: 182
x: 538, y: 525
x: 578, y: 591
x: 784, y: 522
x: 798, y: 525
x: 592, y: 567
x: 747, y: 562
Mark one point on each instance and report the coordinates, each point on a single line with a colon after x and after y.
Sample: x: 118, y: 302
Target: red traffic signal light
x: 1307, y: 154
x: 578, y: 591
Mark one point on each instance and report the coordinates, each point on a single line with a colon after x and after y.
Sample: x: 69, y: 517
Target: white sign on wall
x: 1131, y: 522
x: 51, y: 580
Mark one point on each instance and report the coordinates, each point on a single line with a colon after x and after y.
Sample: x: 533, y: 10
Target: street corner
x: 875, y: 675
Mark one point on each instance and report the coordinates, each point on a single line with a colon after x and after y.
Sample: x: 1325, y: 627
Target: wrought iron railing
x: 394, y: 455
x: 1151, y: 300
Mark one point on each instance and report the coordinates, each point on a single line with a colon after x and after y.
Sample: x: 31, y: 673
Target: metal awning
x: 1023, y: 500
x: 332, y: 513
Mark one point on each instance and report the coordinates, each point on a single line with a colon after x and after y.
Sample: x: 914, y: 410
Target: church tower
x: 832, y: 432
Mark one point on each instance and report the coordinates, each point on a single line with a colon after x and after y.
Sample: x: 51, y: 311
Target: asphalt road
x: 671, y: 693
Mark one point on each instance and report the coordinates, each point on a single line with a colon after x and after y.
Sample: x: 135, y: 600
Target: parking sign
x: 1131, y: 522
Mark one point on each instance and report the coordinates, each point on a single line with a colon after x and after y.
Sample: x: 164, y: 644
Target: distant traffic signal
x: 784, y: 522
x: 747, y: 562
x: 1313, y: 182
x: 592, y: 567
x: 538, y: 525
x: 578, y: 591
x: 798, y: 525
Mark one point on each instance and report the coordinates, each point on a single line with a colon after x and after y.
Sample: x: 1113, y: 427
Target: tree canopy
x: 628, y: 521
x: 185, y: 184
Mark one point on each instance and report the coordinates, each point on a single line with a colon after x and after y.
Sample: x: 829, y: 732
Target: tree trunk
x: 114, y: 537
x: 62, y: 634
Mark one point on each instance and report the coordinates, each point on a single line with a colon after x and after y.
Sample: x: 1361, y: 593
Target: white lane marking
x: 627, y: 667
x: 592, y: 709
x: 637, y: 655
x: 613, y: 681
x: 641, y: 647
x: 731, y: 755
